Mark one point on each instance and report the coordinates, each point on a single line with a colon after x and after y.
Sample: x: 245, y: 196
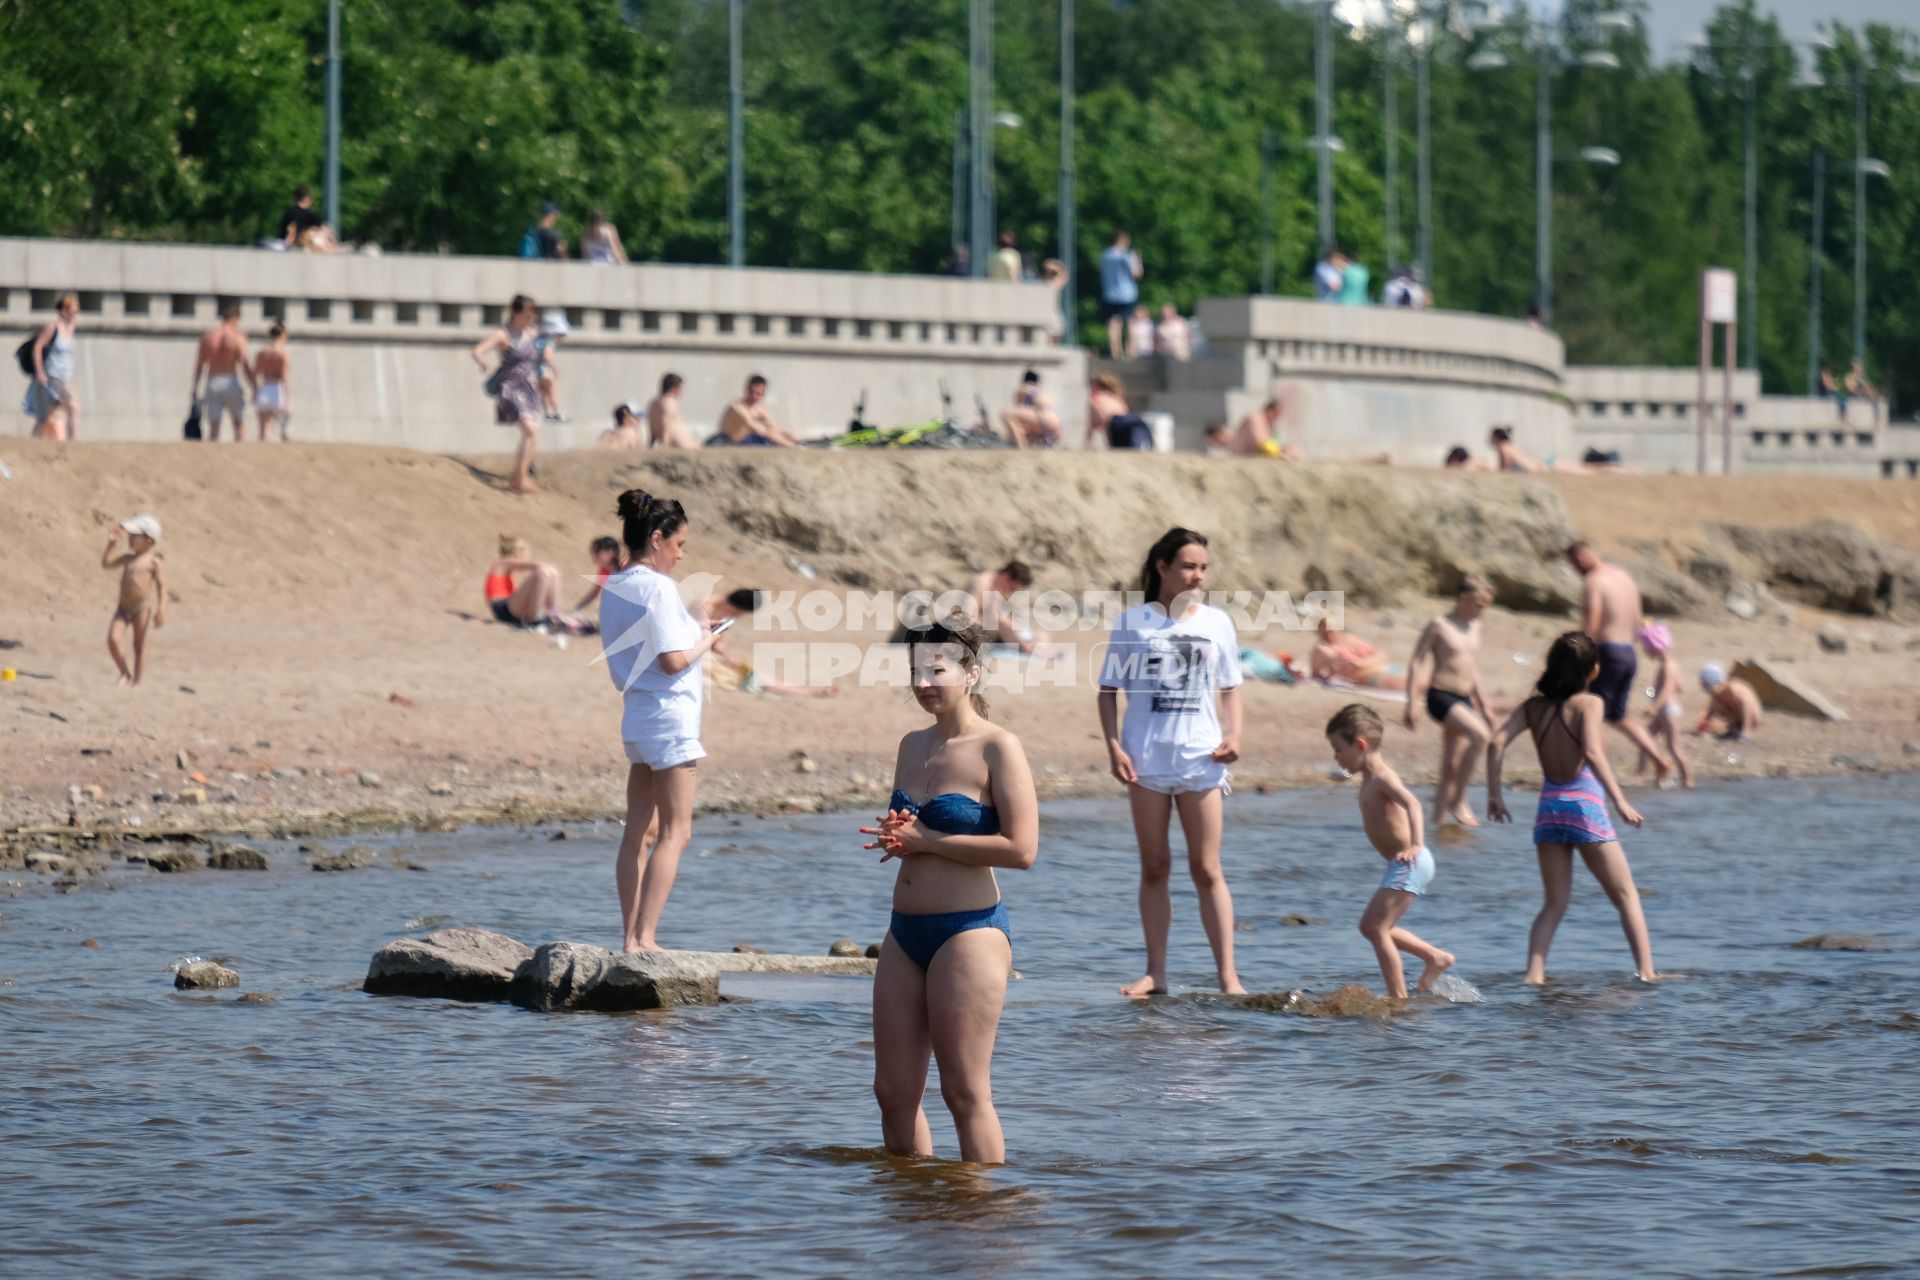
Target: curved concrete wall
x: 1374, y: 379
x: 380, y: 343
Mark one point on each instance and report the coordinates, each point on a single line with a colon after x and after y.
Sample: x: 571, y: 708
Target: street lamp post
x: 736, y: 143
x: 1069, y: 258
x: 1816, y: 254
x: 1423, y: 160
x: 1323, y: 114
x: 1489, y: 59
x: 1543, y: 187
x: 333, y: 116
x: 1390, y: 110
x: 980, y: 148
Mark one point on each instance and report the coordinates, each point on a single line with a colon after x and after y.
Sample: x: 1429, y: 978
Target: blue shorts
x: 1409, y: 877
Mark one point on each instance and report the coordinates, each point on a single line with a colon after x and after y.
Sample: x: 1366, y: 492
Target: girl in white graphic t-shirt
x: 1175, y: 657
x: 653, y: 648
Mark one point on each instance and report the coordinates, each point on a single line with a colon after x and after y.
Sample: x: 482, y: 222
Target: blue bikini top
x: 952, y: 813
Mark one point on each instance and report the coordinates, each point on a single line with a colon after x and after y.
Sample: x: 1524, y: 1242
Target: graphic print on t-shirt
x: 1176, y: 667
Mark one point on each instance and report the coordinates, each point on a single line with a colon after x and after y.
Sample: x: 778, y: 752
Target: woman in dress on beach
x: 963, y: 803
x: 50, y: 401
x: 513, y: 383
x: 653, y: 649
x: 1576, y: 782
x: 1173, y: 655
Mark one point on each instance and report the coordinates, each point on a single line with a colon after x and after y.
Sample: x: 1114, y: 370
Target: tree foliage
x: 156, y: 119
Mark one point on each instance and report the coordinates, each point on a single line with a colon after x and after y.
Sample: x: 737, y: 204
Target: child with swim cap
x: 1733, y: 708
x: 1391, y: 818
x: 1664, y: 720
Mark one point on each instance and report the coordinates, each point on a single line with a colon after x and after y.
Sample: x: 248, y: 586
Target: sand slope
x: 310, y: 583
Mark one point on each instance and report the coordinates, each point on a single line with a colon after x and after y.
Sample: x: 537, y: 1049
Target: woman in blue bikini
x: 1575, y: 784
x: 962, y: 805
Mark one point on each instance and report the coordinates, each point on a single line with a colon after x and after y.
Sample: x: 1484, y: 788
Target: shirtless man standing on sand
x: 1610, y: 613
x: 1452, y: 693
x: 223, y: 357
x: 664, y: 428
x: 747, y: 421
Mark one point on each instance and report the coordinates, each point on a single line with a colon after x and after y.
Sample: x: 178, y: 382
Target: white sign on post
x: 1719, y: 295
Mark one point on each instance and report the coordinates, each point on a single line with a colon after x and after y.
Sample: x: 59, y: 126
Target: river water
x: 1754, y: 1116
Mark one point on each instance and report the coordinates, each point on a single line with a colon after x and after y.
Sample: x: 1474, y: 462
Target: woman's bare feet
x: 125, y: 679
x: 1141, y: 988
x: 1464, y: 816
x: 640, y: 948
x: 1535, y: 978
x: 1230, y: 986
x: 1442, y: 961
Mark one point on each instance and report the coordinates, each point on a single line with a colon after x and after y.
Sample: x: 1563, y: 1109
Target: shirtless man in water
x: 664, y: 428
x: 747, y: 421
x: 1452, y: 693
x: 1610, y: 613
x: 223, y: 357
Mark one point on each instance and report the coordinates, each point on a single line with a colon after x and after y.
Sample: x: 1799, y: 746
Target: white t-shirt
x: 642, y: 617
x: 1170, y: 671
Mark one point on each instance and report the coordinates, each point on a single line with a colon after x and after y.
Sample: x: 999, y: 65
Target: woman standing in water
x: 1575, y: 784
x: 513, y: 383
x: 962, y: 805
x: 1173, y: 655
x: 653, y: 649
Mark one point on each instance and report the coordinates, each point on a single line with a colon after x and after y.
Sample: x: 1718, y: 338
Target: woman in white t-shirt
x: 1174, y: 656
x: 653, y: 648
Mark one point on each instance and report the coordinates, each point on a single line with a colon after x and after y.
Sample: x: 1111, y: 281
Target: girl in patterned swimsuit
x: 1576, y: 782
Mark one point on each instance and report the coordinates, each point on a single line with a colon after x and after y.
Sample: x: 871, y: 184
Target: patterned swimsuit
x: 1571, y: 813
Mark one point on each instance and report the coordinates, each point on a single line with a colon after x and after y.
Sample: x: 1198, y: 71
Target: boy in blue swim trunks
x: 1391, y: 817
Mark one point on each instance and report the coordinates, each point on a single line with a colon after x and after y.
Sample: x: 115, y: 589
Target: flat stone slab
x: 472, y: 964
x: 1784, y: 691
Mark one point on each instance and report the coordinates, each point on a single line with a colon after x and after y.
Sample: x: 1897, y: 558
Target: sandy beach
x: 326, y: 662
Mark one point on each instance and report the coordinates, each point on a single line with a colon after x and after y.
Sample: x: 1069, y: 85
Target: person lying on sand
x: 1337, y: 654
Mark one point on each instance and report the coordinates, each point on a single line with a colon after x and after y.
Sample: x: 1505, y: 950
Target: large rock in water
x: 574, y: 976
x: 452, y: 964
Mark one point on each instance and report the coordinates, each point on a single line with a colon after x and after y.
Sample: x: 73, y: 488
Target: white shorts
x: 224, y: 395
x: 664, y: 753
x: 1208, y: 775
x: 271, y: 396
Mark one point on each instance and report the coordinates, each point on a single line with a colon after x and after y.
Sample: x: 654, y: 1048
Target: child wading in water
x: 1575, y: 784
x: 963, y: 804
x: 1391, y: 817
x: 143, y: 592
x: 1664, y: 722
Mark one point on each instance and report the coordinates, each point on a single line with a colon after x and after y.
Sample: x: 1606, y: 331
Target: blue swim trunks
x: 1409, y: 877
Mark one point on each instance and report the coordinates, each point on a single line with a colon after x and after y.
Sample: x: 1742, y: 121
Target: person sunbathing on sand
x: 1339, y: 655
x: 532, y: 601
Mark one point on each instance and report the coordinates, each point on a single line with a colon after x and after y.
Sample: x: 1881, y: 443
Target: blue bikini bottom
x: 921, y: 937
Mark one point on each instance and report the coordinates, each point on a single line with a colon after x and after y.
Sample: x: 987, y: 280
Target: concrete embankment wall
x: 380, y: 343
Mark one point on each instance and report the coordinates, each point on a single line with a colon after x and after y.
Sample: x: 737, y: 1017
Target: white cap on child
x: 142, y: 526
x: 1713, y: 674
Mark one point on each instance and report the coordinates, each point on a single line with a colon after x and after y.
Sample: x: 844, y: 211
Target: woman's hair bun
x: 633, y: 504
